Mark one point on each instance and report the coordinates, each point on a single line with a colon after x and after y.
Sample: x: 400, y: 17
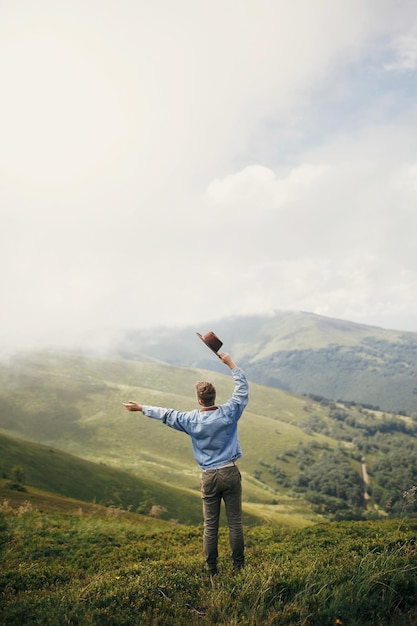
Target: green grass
x: 102, y: 567
x: 55, y: 472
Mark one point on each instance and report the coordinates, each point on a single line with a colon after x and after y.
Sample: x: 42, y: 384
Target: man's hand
x: 227, y: 360
x: 132, y: 406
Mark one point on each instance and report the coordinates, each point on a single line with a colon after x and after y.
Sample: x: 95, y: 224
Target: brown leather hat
x: 211, y: 341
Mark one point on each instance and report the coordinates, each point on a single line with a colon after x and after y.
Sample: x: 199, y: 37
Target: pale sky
x: 172, y: 163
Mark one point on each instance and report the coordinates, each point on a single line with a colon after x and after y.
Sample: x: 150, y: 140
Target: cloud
x: 405, y: 54
x: 257, y: 189
x: 340, y: 240
x: 157, y: 156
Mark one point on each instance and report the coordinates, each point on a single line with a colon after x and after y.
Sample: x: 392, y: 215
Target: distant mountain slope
x: 301, y: 352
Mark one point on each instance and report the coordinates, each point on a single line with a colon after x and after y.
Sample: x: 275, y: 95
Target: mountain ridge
x: 301, y: 352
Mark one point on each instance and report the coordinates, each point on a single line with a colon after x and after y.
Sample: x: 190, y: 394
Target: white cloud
x: 405, y: 53
x: 153, y: 153
x: 256, y: 188
x: 68, y: 113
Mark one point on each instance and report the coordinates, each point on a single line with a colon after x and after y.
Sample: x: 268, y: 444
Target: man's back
x: 213, y: 431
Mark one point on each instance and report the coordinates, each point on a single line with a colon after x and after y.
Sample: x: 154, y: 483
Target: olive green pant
x: 217, y: 485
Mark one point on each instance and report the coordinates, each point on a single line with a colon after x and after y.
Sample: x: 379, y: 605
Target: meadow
x: 90, y: 565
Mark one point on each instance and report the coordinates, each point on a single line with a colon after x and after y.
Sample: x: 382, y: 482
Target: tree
x: 17, y: 478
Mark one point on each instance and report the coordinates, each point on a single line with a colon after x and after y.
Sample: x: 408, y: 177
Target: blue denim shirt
x: 213, y: 433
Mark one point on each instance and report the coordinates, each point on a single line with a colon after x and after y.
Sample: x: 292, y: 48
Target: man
x: 213, y: 432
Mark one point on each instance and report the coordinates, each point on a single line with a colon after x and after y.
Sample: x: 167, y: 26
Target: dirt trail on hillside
x: 365, y: 478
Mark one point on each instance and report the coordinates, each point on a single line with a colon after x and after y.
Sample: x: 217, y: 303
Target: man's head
x: 206, y: 393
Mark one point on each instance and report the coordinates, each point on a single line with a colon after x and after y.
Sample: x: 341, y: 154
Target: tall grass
x: 118, y: 569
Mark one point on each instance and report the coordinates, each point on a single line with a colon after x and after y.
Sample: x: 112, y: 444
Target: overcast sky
x: 175, y: 162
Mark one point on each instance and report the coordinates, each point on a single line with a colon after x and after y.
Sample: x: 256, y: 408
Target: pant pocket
x: 208, y: 484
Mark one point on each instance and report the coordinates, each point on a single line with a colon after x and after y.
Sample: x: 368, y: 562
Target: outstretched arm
x: 170, y: 417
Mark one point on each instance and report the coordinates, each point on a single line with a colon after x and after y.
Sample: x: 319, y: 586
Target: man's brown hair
x: 206, y: 393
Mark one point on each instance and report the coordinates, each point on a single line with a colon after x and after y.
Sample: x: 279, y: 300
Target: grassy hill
x: 74, y: 403
x: 89, y: 567
x: 303, y: 456
x: 67, y: 559
x: 53, y: 473
x: 301, y: 352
